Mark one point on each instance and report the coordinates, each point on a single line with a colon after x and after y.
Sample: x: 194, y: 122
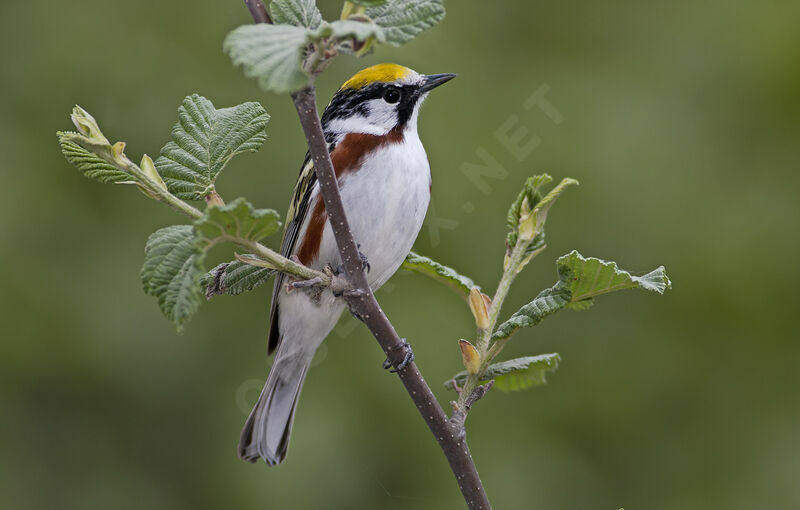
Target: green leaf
x: 236, y: 219
x: 547, y: 302
x: 347, y: 29
x: 173, y: 265
x: 204, y: 140
x: 590, y: 277
x: 270, y: 53
x: 403, y: 20
x: 89, y: 164
x: 301, y: 13
x: 173, y: 268
x: 516, y: 374
x: 234, y: 278
x: 580, y: 280
x: 446, y: 275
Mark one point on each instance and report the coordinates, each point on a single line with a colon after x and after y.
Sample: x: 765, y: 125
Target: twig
x: 460, y: 410
x: 363, y: 303
x: 258, y: 11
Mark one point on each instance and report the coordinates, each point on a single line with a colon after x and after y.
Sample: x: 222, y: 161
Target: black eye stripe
x: 349, y: 102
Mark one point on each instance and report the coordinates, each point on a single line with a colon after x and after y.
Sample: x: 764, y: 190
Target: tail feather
x: 266, y: 432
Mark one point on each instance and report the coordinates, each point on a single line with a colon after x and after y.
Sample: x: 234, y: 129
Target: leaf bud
x: 478, y: 307
x: 470, y: 357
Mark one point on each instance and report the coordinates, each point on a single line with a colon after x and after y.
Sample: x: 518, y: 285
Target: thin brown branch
x: 460, y: 411
x: 258, y: 11
x: 362, y: 303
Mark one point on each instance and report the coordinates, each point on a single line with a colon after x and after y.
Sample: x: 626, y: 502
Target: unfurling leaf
x: 516, y: 374
x: 470, y: 357
x: 477, y: 305
x: 87, y: 126
x: 580, y: 280
x: 301, y: 13
x: 149, y: 169
x: 446, y: 275
x: 234, y: 278
x: 528, y: 213
x: 236, y: 219
x: 173, y: 266
x: 270, y: 53
x: 203, y: 141
x: 403, y: 20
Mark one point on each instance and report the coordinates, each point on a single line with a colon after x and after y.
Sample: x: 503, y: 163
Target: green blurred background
x: 680, y: 119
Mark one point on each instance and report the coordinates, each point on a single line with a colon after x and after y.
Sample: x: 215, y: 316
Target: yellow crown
x: 377, y: 73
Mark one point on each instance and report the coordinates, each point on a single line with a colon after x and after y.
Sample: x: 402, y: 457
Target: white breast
x: 386, y: 202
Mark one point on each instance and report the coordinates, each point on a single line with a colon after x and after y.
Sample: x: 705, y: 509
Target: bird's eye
x: 392, y: 95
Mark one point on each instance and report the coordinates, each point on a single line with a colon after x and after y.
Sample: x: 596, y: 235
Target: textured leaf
x: 590, y: 277
x: 301, y: 13
x: 173, y: 265
x: 236, y: 219
x: 204, y: 140
x: 516, y: 374
x: 447, y: 275
x: 270, y: 53
x: 234, y: 278
x: 580, y: 280
x: 403, y: 20
x: 346, y: 29
x: 547, y: 302
x: 88, y: 164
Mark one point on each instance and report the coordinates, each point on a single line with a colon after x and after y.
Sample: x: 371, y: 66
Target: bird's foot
x: 364, y: 260
x: 408, y: 357
x: 364, y: 264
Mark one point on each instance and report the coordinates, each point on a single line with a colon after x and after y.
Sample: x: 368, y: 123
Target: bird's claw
x: 364, y: 262
x: 408, y: 357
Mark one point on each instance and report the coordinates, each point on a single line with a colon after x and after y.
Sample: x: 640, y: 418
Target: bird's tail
x: 266, y: 433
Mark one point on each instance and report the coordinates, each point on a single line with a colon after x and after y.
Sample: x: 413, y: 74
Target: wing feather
x: 298, y: 211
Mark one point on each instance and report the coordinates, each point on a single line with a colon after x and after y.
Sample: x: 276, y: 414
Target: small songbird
x: 370, y: 126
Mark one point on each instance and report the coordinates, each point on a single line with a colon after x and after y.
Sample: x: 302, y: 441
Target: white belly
x: 386, y: 202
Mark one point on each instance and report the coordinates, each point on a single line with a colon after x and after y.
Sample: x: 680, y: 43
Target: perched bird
x: 370, y: 126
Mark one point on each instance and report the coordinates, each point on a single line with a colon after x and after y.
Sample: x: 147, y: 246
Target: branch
x: 362, y: 303
x: 155, y: 188
x: 258, y: 11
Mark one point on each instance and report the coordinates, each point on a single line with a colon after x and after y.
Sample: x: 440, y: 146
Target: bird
x: 384, y: 177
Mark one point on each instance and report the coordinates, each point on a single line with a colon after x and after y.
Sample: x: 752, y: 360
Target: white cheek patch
x: 381, y: 113
x: 356, y: 124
